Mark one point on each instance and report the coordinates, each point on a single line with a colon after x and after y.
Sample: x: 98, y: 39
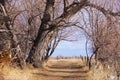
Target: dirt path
x: 63, y: 70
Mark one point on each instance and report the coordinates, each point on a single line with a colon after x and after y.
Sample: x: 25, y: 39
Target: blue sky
x: 75, y: 48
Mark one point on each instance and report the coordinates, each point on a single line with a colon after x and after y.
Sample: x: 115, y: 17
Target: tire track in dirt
x: 64, y: 71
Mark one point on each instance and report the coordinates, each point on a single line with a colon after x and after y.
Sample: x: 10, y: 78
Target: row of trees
x: 35, y: 27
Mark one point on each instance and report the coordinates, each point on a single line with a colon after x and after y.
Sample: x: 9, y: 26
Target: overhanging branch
x: 70, y: 11
x: 103, y: 10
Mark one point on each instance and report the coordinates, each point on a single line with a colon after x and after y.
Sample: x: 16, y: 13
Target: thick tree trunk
x: 39, y: 47
x: 33, y: 56
x: 43, y: 37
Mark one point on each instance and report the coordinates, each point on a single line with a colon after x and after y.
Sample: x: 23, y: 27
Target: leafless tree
x: 34, y: 27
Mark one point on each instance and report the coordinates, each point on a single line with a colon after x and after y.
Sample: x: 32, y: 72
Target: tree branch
x: 104, y: 11
x: 66, y: 3
x: 70, y: 11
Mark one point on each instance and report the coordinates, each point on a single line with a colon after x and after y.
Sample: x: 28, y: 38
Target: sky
x: 75, y: 48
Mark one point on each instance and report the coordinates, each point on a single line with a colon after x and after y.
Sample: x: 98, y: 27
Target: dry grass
x: 10, y: 73
x: 99, y: 72
x: 62, y: 69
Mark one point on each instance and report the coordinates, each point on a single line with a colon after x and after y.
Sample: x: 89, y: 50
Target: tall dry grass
x: 100, y: 72
x: 11, y: 73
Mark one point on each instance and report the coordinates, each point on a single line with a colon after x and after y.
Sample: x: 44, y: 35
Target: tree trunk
x: 39, y: 47
x: 43, y: 37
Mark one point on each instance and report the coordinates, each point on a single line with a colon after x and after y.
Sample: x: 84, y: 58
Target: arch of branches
x: 35, y: 28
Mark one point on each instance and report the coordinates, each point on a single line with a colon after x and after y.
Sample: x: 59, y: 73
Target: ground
x: 69, y: 69
x: 54, y: 69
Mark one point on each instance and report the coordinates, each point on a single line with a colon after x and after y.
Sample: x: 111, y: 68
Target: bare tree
x: 35, y: 27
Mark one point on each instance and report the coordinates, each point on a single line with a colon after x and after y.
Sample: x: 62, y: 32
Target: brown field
x: 61, y: 69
